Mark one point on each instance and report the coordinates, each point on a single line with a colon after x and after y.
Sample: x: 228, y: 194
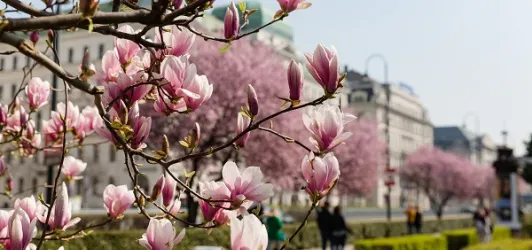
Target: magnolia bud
x: 231, y: 22
x: 9, y: 183
x: 3, y: 166
x: 196, y: 135
x: 157, y: 188
x: 86, y: 61
x: 34, y: 37
x: 295, y: 80
x: 51, y: 36
x: 253, y: 102
x: 88, y: 7
x: 177, y: 4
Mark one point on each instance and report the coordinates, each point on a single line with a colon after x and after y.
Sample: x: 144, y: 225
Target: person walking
x: 274, y: 226
x: 418, y: 221
x: 488, y: 226
x: 324, y: 224
x: 339, y: 230
x: 410, y: 213
x: 480, y: 223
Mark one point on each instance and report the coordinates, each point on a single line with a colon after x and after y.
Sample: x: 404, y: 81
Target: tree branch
x: 29, y: 50
x: 288, y: 139
x: 26, y: 8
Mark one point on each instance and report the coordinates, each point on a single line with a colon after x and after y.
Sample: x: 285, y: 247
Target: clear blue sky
x: 460, y: 56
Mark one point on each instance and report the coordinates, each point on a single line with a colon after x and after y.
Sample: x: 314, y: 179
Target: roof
x: 452, y: 133
x: 260, y: 18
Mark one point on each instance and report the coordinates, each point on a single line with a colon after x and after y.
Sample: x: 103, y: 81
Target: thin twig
x: 301, y: 226
x: 284, y: 137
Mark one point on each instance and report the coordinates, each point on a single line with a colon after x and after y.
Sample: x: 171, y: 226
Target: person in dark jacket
x: 339, y: 230
x: 418, y: 220
x: 324, y: 224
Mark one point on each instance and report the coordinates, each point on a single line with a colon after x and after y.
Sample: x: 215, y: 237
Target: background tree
x: 247, y: 62
x: 527, y: 170
x: 442, y: 176
x: 362, y: 158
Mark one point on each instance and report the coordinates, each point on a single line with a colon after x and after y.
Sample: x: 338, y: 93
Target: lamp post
x: 476, y: 132
x: 387, y: 92
x: 52, y: 162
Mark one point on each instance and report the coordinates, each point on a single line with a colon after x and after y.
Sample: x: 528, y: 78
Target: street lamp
x: 476, y: 132
x: 387, y: 91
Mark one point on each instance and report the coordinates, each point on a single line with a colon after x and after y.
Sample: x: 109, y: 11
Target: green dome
x: 260, y: 18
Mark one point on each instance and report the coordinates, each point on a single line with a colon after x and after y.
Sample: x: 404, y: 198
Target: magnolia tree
x: 362, y: 158
x: 255, y: 64
x: 444, y: 176
x: 159, y: 73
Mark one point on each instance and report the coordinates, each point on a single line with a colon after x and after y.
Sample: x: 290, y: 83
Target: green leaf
x: 184, y: 144
x: 91, y: 25
x: 242, y: 6
x: 191, y: 174
x: 225, y: 48
x: 116, y: 125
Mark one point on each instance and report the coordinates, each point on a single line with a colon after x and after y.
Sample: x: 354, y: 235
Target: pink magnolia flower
x: 202, y: 90
x: 117, y: 199
x: 179, y: 42
x: 34, y: 37
x: 168, y: 190
x: 110, y: 66
x: 241, y: 125
x: 215, y: 191
x: 247, y: 185
x: 71, y: 117
x: 231, y: 22
x: 61, y: 213
x: 165, y: 106
x: 320, y: 174
x: 179, y: 72
x: 212, y: 213
x: 92, y: 119
x: 4, y: 221
x: 295, y: 80
x: 73, y: 167
x: 123, y: 85
x: 253, y: 102
x: 125, y: 49
x: 141, y: 130
x: 288, y: 6
x: 29, y: 205
x: 175, y: 207
x: 3, y: 166
x: 177, y: 3
x: 324, y: 68
x: 3, y: 114
x: 37, y: 92
x: 157, y: 188
x: 161, y: 235
x: 248, y: 233
x: 21, y: 230
x: 18, y: 119
x: 326, y: 123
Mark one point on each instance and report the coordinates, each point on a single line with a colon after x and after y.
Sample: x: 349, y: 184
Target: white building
x: 105, y: 164
x: 410, y: 128
x: 479, y: 149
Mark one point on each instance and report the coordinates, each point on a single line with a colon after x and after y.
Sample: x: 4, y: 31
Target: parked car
x: 468, y: 209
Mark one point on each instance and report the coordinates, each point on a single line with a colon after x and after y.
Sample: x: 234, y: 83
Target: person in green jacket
x: 274, y: 226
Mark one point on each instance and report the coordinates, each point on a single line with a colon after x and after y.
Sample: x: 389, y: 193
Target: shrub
x: 427, y: 241
x: 459, y: 239
x: 508, y: 244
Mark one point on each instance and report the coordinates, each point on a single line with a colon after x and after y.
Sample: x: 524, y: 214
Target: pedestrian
x: 339, y: 230
x: 410, y: 213
x: 274, y: 226
x: 480, y: 223
x: 418, y: 221
x: 324, y: 224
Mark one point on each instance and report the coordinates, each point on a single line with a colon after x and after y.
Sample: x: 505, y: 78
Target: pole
x: 50, y: 171
x: 515, y: 225
x: 389, y: 200
x: 477, y: 133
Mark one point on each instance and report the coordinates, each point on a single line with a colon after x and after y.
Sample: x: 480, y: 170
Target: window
x: 36, y: 157
x: 21, y: 185
x: 95, y: 182
x: 101, y: 50
x: 28, y: 61
x: 96, y: 153
x: 112, y: 153
x: 112, y: 180
x: 71, y: 55
x: 13, y: 89
x: 1, y: 91
x: 2, y: 62
x: 9, y: 157
x: 81, y: 153
x: 39, y: 121
x: 15, y: 63
x: 34, y: 184
x: 79, y: 186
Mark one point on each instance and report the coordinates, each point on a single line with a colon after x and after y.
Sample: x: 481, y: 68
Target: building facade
x: 479, y: 149
x: 105, y: 164
x: 409, y: 128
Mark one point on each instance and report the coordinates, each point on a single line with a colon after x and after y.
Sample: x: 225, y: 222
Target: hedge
x: 448, y: 240
x: 458, y: 239
x: 509, y: 244
x: 417, y: 242
x: 308, y: 238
